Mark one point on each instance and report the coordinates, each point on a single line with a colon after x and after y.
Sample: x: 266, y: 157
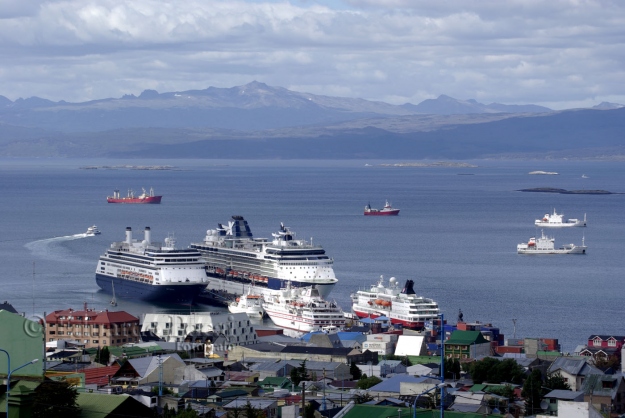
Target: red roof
x: 102, y: 317
x: 99, y: 375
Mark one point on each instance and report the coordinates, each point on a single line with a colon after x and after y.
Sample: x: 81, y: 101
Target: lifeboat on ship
x: 379, y: 302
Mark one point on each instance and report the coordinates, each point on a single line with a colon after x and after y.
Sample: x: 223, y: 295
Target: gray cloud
x: 560, y: 54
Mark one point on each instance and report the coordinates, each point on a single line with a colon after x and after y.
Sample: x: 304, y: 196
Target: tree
x: 355, y: 371
x: 188, y: 412
x: 556, y: 381
x: 532, y: 392
x: 363, y: 397
x: 55, y: 399
x: 309, y: 411
x: 103, y: 356
x: 252, y: 412
x: 367, y: 382
x: 493, y: 370
x: 452, y: 368
x: 604, y: 362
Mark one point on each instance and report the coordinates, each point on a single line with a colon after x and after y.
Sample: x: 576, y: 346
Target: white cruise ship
x: 546, y: 245
x: 303, y: 310
x: 236, y: 260
x: 401, y: 306
x: 146, y: 270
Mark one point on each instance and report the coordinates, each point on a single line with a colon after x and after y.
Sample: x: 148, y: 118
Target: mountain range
x: 260, y: 121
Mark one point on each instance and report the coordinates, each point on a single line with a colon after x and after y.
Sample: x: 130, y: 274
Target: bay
x: 456, y: 234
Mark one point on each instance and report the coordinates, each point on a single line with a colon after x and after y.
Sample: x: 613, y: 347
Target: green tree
x: 355, y: 371
x: 309, y: 411
x: 532, y: 392
x: 506, y: 391
x: 363, y: 397
x: 495, y: 371
x: 55, y: 399
x: 556, y: 381
x: 404, y: 360
x: 103, y: 356
x: 452, y: 368
x: 236, y: 412
x: 295, y: 376
x: 367, y: 382
x: 252, y: 412
x: 188, y: 412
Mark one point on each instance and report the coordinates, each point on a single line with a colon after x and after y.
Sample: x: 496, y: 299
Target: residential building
x: 235, y: 328
x: 23, y: 340
x: 467, y: 344
x: 605, y: 392
x: 383, y: 344
x: 554, y: 397
x: 603, y: 347
x: 573, y: 370
x: 92, y: 328
x: 148, y: 370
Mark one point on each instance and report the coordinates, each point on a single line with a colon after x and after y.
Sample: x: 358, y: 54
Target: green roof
x: 424, y: 359
x: 466, y: 338
x: 95, y: 405
x: 21, y: 385
x: 274, y: 381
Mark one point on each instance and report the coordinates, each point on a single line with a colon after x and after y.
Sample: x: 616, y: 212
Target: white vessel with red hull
x: 401, y: 306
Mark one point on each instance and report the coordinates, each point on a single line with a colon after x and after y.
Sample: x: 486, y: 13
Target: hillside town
x: 80, y: 362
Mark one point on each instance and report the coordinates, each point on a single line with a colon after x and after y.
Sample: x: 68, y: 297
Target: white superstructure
x: 92, y: 230
x: 556, y: 220
x: 235, y: 328
x: 401, y: 306
x: 236, y: 260
x: 142, y: 269
x: 304, y: 310
x: 250, y: 303
x: 546, y: 245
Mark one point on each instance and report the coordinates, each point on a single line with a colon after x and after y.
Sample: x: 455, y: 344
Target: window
x: 596, y: 342
x: 611, y: 342
x: 95, y: 341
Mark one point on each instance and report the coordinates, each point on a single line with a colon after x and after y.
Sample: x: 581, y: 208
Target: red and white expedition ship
x: 402, y: 306
x: 387, y: 210
x: 131, y: 198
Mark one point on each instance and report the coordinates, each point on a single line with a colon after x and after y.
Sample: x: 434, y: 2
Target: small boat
x: 387, y: 210
x: 144, y: 197
x: 584, y: 176
x: 92, y: 230
x: 250, y: 304
x: 555, y: 220
x: 546, y: 245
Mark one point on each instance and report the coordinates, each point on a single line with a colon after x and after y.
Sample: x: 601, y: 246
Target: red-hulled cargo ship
x: 131, y: 198
x: 387, y: 210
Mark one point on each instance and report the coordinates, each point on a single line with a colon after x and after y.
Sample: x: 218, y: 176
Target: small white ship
x: 402, y: 306
x: 92, y: 230
x: 303, y: 310
x: 250, y: 304
x: 546, y: 245
x: 556, y: 220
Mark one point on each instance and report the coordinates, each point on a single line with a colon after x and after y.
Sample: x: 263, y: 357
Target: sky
x: 556, y: 53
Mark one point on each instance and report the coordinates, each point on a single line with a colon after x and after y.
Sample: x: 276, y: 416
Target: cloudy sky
x: 556, y: 53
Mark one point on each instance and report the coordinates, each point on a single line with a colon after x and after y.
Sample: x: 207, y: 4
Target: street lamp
x: 9, y: 372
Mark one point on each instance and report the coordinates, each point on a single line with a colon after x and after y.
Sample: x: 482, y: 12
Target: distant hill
x: 260, y: 121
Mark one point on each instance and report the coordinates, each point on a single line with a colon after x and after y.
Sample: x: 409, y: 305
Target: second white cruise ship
x: 236, y: 260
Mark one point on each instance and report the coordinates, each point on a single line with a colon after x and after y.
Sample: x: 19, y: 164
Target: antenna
x: 33, y: 289
x: 514, y: 323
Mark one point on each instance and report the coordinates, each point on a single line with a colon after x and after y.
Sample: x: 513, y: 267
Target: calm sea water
x: 456, y: 235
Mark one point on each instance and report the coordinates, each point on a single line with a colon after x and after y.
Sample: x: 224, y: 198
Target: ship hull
x: 406, y: 324
x: 127, y: 289
x: 133, y: 200
x: 385, y: 213
x: 576, y: 250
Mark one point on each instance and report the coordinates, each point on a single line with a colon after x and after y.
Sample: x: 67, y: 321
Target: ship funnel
x: 148, y: 235
x: 129, y: 235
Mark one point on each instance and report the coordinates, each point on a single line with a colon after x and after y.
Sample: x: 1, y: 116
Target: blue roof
x: 392, y: 384
x: 306, y: 337
x: 382, y: 318
x: 367, y: 321
x: 344, y: 335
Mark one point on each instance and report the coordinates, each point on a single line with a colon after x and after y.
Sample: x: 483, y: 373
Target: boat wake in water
x: 50, y: 248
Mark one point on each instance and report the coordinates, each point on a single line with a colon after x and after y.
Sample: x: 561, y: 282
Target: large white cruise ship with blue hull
x: 236, y: 260
x: 151, y: 271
